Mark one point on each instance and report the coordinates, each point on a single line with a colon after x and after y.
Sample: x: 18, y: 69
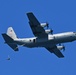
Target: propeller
x: 51, y: 31
x: 47, y: 25
x: 63, y: 48
x: 59, y: 44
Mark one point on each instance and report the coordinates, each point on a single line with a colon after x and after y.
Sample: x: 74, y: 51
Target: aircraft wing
x: 55, y: 51
x: 37, y: 29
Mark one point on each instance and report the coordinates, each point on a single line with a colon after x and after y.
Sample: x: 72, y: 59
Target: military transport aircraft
x: 43, y: 38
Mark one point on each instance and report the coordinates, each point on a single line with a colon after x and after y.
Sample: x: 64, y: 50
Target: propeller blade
x: 51, y: 31
x: 63, y: 48
x: 47, y: 25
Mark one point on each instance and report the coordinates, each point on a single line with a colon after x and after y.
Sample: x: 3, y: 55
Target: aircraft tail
x: 9, y: 38
x: 11, y: 33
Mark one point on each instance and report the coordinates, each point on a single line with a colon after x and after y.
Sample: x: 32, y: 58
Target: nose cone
x: 74, y: 33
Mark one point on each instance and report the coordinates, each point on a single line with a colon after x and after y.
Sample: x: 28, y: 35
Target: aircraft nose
x: 74, y: 33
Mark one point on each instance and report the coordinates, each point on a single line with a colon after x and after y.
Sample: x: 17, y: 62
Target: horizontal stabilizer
x: 10, y: 42
x: 13, y: 46
x: 7, y: 38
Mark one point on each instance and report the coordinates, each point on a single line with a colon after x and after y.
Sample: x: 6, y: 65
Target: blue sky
x: 61, y: 16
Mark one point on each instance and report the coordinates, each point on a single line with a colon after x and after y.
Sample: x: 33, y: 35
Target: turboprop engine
x: 48, y: 31
x: 61, y: 47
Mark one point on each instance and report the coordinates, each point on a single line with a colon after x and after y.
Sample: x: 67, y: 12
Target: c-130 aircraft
x: 43, y: 38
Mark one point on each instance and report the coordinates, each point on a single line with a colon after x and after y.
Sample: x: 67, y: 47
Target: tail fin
x: 11, y: 33
x: 10, y: 37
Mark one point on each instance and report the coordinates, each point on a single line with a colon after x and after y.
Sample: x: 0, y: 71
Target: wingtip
x: 3, y: 33
x: 61, y: 57
x: 29, y: 13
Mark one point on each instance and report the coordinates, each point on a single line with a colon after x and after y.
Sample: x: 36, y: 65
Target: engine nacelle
x: 44, y: 24
x: 48, y: 31
x: 60, y: 47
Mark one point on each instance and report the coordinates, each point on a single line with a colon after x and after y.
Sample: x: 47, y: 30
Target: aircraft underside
x: 41, y: 39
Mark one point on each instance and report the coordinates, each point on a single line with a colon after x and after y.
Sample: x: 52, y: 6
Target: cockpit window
x: 74, y: 32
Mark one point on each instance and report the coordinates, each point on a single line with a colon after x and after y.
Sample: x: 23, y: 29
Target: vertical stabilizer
x: 11, y: 33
